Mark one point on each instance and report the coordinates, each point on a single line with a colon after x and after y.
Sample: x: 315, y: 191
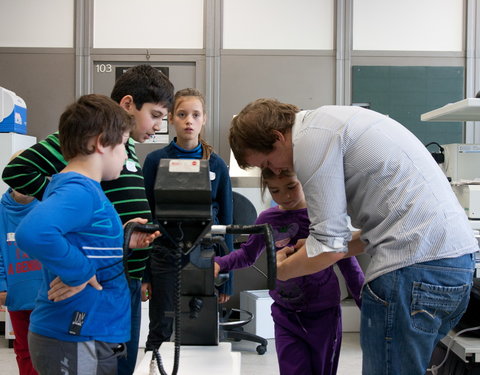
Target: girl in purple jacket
x: 306, y: 310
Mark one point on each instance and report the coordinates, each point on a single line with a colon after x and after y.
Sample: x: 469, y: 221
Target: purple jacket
x: 314, y: 292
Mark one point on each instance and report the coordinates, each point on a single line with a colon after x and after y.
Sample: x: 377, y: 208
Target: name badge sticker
x: 130, y: 165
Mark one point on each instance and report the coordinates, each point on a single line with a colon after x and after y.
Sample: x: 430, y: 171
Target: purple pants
x: 307, y: 343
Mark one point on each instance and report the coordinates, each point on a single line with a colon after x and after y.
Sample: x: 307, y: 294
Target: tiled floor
x: 252, y: 363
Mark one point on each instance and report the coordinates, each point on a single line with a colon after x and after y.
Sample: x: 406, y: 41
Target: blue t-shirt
x: 76, y: 233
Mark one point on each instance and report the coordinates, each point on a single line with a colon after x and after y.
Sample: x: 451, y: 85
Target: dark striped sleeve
x: 29, y: 172
x: 127, y: 194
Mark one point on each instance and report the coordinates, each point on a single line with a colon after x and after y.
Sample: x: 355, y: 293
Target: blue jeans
x: 126, y: 365
x: 406, y: 312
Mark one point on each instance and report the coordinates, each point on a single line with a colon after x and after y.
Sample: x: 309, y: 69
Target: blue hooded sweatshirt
x: 20, y: 275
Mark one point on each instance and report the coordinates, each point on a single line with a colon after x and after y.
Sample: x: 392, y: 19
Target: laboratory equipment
x: 183, y: 215
x: 13, y: 112
x: 462, y: 161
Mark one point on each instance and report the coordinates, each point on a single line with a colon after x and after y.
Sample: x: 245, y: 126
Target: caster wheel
x: 261, y: 349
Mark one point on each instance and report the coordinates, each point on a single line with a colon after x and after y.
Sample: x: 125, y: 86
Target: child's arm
x: 59, y: 290
x: 353, y: 276
x: 42, y: 233
x: 246, y: 255
x: 29, y: 172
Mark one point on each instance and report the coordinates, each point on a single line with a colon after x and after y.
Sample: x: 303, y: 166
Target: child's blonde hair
x: 207, y: 149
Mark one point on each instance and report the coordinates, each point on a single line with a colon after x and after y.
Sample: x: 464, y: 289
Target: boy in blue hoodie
x: 81, y: 318
x: 20, y: 276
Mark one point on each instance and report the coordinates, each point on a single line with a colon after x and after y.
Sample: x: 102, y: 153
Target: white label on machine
x: 184, y: 165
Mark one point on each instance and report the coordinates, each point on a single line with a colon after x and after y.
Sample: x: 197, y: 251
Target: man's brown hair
x: 252, y: 129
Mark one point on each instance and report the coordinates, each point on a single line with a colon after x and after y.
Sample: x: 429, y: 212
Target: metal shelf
x: 463, y: 110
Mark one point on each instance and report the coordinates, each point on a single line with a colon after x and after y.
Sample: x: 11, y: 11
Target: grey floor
x: 252, y: 363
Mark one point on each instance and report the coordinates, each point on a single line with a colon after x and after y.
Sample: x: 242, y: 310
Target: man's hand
x: 3, y: 298
x: 146, y: 291
x: 284, y: 253
x: 300, y: 243
x: 295, y: 263
x: 60, y: 291
x: 356, y: 246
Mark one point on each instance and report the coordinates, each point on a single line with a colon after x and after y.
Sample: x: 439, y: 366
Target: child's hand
x: 3, y: 298
x: 216, y: 269
x: 222, y: 298
x: 59, y: 290
x: 146, y: 291
x: 140, y: 240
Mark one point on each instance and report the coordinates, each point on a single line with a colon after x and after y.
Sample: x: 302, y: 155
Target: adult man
x: 360, y: 164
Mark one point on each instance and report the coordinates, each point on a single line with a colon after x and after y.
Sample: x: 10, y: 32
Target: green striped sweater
x: 30, y: 172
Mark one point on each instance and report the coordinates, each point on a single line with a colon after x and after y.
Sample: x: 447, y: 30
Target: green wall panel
x: 405, y: 92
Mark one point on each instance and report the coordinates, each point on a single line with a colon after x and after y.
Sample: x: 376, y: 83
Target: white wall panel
x: 408, y: 25
x: 278, y: 24
x: 148, y: 24
x: 34, y: 23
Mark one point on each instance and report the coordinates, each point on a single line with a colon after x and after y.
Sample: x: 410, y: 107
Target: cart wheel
x: 261, y: 349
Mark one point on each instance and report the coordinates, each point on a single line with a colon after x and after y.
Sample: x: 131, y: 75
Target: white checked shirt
x: 356, y: 162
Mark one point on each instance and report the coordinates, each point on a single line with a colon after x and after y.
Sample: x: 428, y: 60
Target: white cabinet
x: 10, y: 143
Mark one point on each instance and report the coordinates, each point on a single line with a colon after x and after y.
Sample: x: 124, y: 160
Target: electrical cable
x: 176, y: 356
x: 438, y: 156
x: 260, y: 271
x: 150, y: 228
x: 434, y: 369
x: 178, y: 285
x: 265, y: 229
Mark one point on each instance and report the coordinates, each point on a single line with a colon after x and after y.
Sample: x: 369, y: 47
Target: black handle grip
x: 267, y: 231
x: 130, y: 228
x: 146, y: 228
